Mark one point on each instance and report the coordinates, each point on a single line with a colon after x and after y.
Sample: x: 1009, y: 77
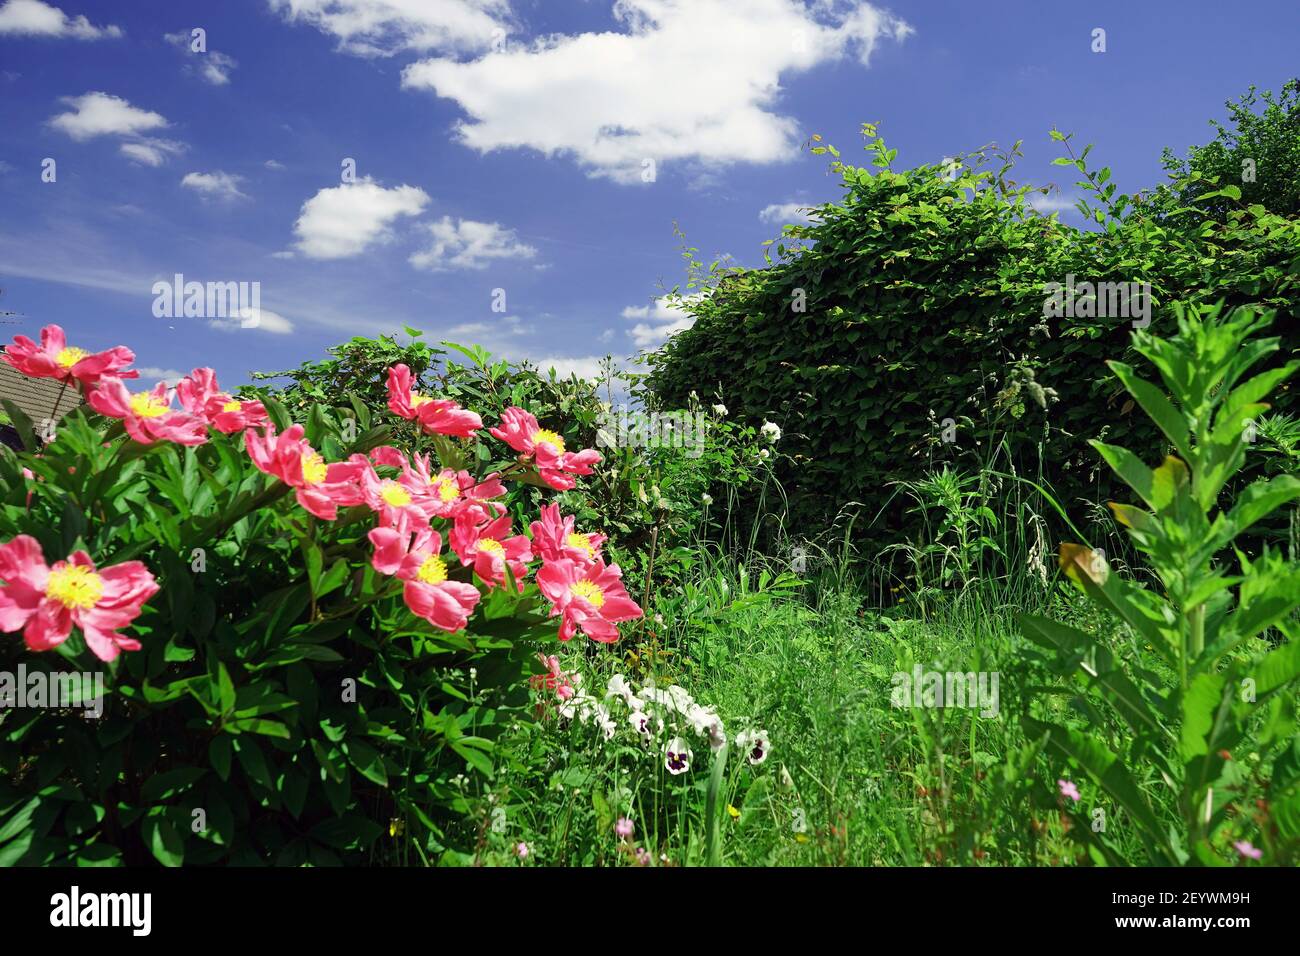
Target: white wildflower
x: 677, y: 756
x: 755, y: 744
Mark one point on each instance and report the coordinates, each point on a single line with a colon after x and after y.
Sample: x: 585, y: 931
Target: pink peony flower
x: 1068, y: 789
x: 490, y: 548
x: 554, y: 538
x: 320, y: 488
x: 544, y: 448
x: 451, y: 494
x: 415, y: 560
x: 54, y: 358
x: 199, y: 395
x: 388, y: 455
x: 46, y: 602
x: 554, y: 678
x: 439, y: 416
x: 456, y: 494
x: 148, y: 416
x: 624, y: 828
x: 521, y: 851
x: 588, y: 597
x: 400, y: 502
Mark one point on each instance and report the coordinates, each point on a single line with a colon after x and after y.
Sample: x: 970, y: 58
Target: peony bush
x: 304, y: 632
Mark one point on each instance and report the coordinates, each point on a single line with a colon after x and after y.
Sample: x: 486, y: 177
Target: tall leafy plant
x: 1224, y: 707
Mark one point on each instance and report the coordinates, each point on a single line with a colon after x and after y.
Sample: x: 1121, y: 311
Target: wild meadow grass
x: 954, y: 700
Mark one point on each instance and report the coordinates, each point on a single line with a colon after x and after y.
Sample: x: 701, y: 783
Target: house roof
x: 39, y: 398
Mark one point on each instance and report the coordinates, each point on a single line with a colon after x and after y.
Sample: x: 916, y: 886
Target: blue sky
x: 505, y: 144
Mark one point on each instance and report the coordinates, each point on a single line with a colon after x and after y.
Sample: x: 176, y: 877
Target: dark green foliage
x: 285, y: 708
x: 925, y: 299
x: 1260, y: 153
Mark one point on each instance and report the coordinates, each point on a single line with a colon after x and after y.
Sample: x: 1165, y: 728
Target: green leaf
x: 1201, y: 705
x: 367, y: 760
x: 164, y: 786
x: 1156, y: 405
x: 163, y: 840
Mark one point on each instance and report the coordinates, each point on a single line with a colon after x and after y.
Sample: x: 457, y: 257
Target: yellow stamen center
x: 417, y: 399
x: 448, y: 489
x: 146, y: 405
x: 491, y: 546
x: 232, y: 406
x: 314, y: 469
x: 395, y: 494
x: 589, y: 592
x: 70, y: 356
x: 433, y: 570
x: 550, y: 438
x: 580, y: 541
x: 76, y: 587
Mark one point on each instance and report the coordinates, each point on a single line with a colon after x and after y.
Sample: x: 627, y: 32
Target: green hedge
x: 920, y: 296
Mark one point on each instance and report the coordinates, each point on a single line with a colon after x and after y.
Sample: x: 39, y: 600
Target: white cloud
x: 661, y: 321
x: 216, y: 68
x: 342, y: 221
x: 476, y: 332
x: 217, y: 185
x: 274, y: 164
x: 151, y: 375
x: 101, y: 114
x: 694, y: 81
x: 1053, y: 203
x: 264, y: 320
x: 213, y: 66
x: 385, y: 27
x: 151, y: 152
x: 35, y: 18
x: 466, y: 244
x: 586, y: 366
x: 782, y: 213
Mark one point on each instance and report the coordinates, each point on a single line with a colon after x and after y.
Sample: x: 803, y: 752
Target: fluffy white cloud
x: 782, y: 213
x: 101, y: 114
x: 477, y: 332
x: 687, y: 80
x: 213, y: 66
x: 217, y: 185
x: 35, y: 18
x: 1051, y: 204
x: 342, y: 221
x: 150, y: 375
x: 657, y: 322
x: 151, y: 152
x: 385, y: 27
x: 263, y: 320
x: 466, y: 244
x: 585, y: 366
x: 216, y: 68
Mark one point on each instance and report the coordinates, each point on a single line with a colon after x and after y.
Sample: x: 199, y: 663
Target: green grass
x: 850, y: 780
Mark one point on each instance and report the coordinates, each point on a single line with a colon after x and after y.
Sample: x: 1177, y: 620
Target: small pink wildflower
x: 1245, y: 848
